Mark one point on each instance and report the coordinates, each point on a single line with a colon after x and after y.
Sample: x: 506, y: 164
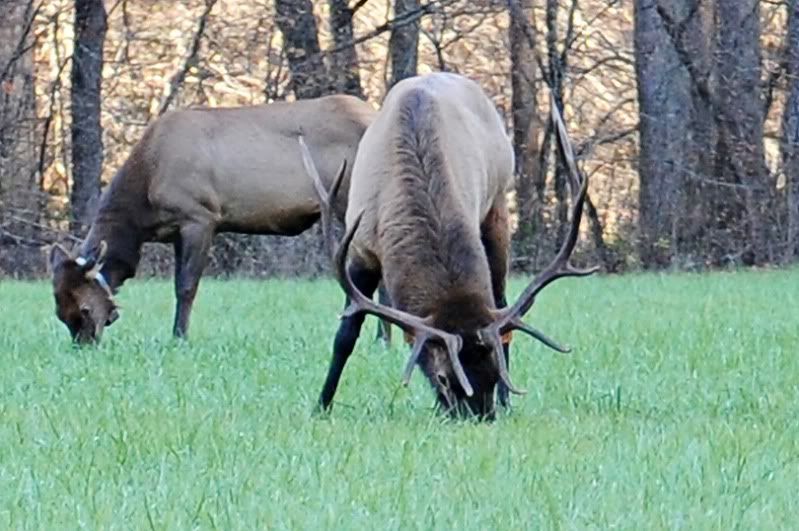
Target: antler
x: 493, y: 337
x: 421, y: 328
x: 510, y: 318
x: 325, y: 198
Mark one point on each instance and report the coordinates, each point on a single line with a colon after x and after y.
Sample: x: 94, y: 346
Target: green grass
x: 677, y: 409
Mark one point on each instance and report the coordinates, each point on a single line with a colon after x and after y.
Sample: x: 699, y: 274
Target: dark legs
x: 495, y: 234
x: 349, y: 329
x: 383, y: 327
x: 191, y: 254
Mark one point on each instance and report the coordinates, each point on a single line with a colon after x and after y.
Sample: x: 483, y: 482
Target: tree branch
x: 357, y: 5
x: 21, y: 48
x: 675, y: 32
x: 191, y: 58
x: 407, y: 18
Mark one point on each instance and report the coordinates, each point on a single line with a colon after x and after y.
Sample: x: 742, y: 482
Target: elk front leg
x: 348, y: 331
x: 191, y: 254
x: 495, y: 235
x: 383, y: 327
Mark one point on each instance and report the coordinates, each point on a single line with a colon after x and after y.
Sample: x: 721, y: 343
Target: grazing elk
x: 427, y: 215
x: 194, y: 173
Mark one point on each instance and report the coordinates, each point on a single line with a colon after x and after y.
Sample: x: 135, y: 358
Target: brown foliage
x: 161, y: 54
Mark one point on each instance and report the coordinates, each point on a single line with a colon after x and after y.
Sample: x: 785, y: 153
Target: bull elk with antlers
x: 193, y: 174
x: 427, y: 215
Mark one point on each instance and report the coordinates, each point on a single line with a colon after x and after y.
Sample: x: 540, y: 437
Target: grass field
x: 678, y: 408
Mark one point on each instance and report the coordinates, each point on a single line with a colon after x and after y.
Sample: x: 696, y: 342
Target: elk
x: 427, y: 216
x: 194, y: 173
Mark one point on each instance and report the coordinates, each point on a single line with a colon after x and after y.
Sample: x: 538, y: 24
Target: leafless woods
x: 685, y: 113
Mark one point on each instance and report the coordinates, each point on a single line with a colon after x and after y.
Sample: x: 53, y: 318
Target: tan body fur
x: 239, y: 168
x: 468, y: 131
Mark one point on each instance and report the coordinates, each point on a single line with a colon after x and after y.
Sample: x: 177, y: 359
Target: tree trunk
x: 703, y: 133
x: 17, y: 123
x: 689, y: 24
x: 344, y: 62
x: 742, y: 207
x: 664, y: 102
x: 404, y: 43
x: 556, y: 73
x: 309, y: 76
x: 87, y: 132
x: 526, y: 126
x: 790, y: 133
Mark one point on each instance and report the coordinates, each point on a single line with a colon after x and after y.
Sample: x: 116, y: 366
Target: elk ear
x: 58, y: 255
x: 93, y: 260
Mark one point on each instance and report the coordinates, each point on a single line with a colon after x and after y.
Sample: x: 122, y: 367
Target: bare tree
x: 557, y: 61
x: 297, y: 23
x: 17, y: 120
x: 404, y: 42
x: 664, y: 101
x: 87, y: 132
x: 690, y: 25
x: 741, y: 207
x: 526, y: 124
x: 192, y: 59
x: 344, y: 61
x: 790, y: 132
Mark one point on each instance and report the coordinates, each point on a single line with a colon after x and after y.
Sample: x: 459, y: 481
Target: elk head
x: 84, y: 300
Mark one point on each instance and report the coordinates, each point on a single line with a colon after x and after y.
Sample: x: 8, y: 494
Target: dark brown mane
x: 124, y: 251
x: 431, y: 248
x: 461, y: 311
x: 122, y: 219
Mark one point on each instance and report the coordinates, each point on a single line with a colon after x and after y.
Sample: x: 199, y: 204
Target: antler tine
x: 418, y: 343
x: 560, y: 266
x: 518, y: 324
x: 421, y: 328
x: 326, y: 199
x: 496, y: 342
x: 510, y: 318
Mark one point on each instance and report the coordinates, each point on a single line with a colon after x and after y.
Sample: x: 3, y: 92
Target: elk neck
x: 119, y: 222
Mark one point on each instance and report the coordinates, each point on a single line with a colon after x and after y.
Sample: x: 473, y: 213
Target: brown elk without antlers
x: 194, y: 173
x: 427, y: 214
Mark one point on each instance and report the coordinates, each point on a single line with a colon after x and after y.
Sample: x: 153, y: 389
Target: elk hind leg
x: 495, y: 235
x: 191, y: 254
x: 348, y: 331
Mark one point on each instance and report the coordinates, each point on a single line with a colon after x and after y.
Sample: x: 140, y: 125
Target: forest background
x: 684, y: 113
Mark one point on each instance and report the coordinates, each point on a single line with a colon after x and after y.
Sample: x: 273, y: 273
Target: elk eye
x: 85, y: 312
